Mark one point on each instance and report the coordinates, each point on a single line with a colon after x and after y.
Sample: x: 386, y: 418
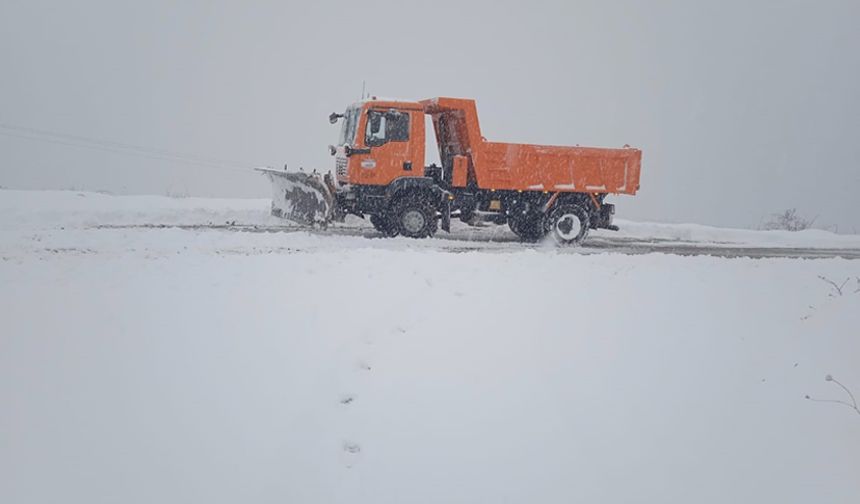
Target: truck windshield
x: 350, y: 124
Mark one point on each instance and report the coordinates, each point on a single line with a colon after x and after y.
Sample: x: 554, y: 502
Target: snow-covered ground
x: 204, y: 365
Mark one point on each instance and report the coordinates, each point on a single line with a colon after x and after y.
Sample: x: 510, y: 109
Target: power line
x: 65, y: 139
x: 127, y: 153
x: 118, y: 145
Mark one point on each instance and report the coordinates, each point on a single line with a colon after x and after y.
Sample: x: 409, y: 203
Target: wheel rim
x: 413, y: 221
x: 568, y: 226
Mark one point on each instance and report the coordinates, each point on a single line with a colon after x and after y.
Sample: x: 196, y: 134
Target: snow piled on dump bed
x: 166, y: 365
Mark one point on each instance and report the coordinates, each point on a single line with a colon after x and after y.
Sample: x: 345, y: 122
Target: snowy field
x: 200, y: 364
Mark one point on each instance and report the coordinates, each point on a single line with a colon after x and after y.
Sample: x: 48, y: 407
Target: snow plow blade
x: 304, y: 198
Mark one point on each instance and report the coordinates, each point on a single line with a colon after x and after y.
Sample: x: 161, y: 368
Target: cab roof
x: 429, y: 106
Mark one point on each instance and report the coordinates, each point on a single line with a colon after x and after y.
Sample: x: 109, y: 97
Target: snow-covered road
x: 499, y: 239
x: 53, y: 221
x: 141, y: 363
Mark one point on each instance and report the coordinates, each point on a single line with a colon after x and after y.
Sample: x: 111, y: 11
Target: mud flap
x: 446, y: 216
x: 301, y: 197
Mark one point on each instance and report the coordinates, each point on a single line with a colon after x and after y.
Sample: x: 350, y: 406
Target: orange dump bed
x: 526, y: 167
x: 580, y: 169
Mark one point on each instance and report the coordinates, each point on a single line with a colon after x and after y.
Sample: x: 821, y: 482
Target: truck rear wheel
x: 414, y: 217
x: 569, y: 224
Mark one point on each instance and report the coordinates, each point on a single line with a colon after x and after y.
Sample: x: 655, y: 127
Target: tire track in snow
x: 486, y: 240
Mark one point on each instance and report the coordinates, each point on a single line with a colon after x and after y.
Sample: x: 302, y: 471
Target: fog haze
x: 741, y: 108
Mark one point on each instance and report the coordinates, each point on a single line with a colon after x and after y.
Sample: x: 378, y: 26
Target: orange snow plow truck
x: 380, y: 172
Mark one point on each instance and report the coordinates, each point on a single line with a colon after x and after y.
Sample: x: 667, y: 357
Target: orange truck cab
x: 535, y: 189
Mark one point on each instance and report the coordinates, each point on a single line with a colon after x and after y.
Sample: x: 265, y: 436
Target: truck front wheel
x: 414, y: 217
x: 569, y: 224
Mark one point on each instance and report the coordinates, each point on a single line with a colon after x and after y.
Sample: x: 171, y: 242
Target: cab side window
x: 384, y: 127
x: 398, y: 126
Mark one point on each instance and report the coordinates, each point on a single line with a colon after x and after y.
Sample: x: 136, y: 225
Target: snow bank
x: 53, y: 209
x: 697, y: 233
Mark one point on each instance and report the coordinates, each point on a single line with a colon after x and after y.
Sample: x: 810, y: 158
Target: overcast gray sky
x: 741, y: 108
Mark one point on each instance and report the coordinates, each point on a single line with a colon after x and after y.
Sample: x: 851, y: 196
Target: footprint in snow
x: 350, y: 454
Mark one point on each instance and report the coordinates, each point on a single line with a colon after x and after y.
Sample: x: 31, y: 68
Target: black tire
x: 414, y: 217
x: 512, y: 223
x: 528, y: 227
x: 383, y: 224
x: 569, y: 224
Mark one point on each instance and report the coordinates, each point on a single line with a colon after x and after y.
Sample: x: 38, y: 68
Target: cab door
x: 393, y: 146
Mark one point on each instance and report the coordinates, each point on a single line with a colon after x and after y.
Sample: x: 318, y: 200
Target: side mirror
x: 332, y: 150
x: 333, y: 117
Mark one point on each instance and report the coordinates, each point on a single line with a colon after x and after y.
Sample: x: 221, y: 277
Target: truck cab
x: 379, y: 142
